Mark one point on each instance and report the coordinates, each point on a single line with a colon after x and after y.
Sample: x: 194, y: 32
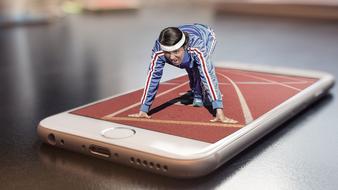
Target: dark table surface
x: 46, y: 69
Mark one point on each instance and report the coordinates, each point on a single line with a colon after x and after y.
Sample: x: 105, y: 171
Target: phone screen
x: 246, y: 96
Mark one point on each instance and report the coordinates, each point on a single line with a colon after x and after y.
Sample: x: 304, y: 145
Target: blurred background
x: 36, y: 11
x: 59, y: 54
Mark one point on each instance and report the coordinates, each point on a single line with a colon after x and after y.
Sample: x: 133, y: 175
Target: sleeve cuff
x: 217, y: 104
x: 144, y: 108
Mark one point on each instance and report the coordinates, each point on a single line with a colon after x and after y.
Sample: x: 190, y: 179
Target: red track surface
x: 260, y: 91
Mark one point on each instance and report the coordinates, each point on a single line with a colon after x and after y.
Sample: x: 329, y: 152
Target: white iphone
x: 179, y: 140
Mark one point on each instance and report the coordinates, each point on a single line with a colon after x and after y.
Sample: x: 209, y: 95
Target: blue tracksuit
x: 196, y: 61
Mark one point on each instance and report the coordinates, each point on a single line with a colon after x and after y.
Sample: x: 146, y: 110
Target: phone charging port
x: 99, y: 151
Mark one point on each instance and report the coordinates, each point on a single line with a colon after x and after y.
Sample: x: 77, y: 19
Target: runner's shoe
x: 197, y: 102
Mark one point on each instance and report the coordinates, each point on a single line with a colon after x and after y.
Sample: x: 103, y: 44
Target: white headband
x: 174, y: 47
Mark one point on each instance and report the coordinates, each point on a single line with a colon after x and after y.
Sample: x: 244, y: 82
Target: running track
x: 246, y: 96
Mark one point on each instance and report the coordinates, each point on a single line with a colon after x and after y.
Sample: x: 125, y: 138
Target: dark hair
x: 171, y: 35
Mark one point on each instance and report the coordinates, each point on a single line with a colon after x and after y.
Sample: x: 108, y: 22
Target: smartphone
x: 179, y: 140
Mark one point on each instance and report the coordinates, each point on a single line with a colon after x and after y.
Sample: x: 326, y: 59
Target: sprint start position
x: 187, y: 47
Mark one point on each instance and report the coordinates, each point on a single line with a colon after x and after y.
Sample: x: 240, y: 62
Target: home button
x: 118, y: 133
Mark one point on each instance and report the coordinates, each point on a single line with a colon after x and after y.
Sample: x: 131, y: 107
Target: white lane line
x: 182, y: 93
x: 170, y: 83
x: 279, y: 76
x: 264, y: 83
x: 245, y: 108
x: 275, y: 82
x: 139, y: 103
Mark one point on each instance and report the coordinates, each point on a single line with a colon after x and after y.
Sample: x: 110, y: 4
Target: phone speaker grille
x: 148, y: 164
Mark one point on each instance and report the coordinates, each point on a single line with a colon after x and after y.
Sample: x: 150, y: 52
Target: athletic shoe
x: 197, y: 102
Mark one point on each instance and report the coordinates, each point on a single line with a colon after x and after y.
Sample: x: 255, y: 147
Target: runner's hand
x: 221, y: 118
x: 140, y: 114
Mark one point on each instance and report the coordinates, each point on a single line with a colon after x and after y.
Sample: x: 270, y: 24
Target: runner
x: 187, y: 47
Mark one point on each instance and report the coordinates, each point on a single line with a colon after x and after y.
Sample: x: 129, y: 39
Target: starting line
x: 109, y: 118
